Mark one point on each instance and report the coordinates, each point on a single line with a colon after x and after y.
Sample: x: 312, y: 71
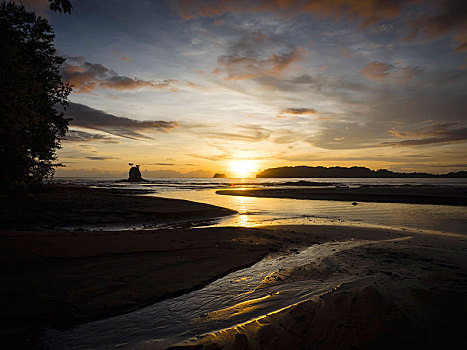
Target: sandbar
x: 379, y: 194
x: 58, y: 207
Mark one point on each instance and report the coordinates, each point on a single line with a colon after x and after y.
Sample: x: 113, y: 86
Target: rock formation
x: 219, y: 176
x: 135, y: 174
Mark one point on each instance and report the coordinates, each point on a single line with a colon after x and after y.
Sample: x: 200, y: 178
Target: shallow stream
x: 274, y: 283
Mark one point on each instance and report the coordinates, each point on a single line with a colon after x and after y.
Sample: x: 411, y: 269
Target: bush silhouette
x: 30, y: 127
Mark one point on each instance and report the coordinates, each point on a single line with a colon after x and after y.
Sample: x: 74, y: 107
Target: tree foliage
x: 60, y: 6
x: 30, y: 127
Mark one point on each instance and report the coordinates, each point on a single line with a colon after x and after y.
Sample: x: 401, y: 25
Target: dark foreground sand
x: 56, y: 207
x: 408, y: 291
x: 382, y: 194
x: 407, y: 288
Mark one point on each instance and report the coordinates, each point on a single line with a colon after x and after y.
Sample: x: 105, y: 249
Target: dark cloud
x: 87, y: 117
x: 257, y: 55
x: 163, y: 164
x: 86, y: 77
x: 368, y: 11
x: 100, y: 158
x: 299, y: 111
x: 385, y: 71
x: 449, y: 165
x: 450, y: 17
x: 83, y: 136
x: 432, y: 134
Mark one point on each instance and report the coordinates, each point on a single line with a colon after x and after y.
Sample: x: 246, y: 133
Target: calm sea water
x: 266, y: 211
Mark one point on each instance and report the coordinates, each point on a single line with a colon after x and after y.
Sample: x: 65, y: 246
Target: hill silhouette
x: 343, y: 172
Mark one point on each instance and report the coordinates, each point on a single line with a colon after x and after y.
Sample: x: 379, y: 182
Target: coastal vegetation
x: 30, y: 126
x: 343, y: 172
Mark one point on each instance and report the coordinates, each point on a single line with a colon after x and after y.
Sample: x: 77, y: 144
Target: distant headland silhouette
x: 219, y: 176
x: 344, y: 172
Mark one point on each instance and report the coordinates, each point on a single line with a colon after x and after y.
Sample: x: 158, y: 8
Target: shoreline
x: 377, y: 194
x: 76, y: 207
x: 61, y: 278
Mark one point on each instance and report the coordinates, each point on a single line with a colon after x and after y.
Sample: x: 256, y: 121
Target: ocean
x: 254, y: 212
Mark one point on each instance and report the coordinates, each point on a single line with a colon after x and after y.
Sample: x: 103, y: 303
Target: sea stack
x: 135, y: 174
x: 219, y: 176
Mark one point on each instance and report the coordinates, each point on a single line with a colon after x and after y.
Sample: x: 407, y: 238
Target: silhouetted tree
x: 60, y: 6
x: 31, y: 85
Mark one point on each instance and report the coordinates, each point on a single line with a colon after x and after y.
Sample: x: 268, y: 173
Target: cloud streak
x: 100, y: 158
x: 450, y: 17
x: 87, y: 77
x: 436, y: 133
x: 90, y: 118
x: 299, y: 111
x: 384, y: 71
x: 367, y: 11
x: 83, y: 136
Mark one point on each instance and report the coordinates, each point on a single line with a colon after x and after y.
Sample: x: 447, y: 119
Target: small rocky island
x: 134, y: 174
x: 219, y: 176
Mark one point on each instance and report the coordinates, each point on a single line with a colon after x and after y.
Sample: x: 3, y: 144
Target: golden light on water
x: 243, y: 168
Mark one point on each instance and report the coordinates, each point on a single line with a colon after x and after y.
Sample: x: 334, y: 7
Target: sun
x: 243, y: 168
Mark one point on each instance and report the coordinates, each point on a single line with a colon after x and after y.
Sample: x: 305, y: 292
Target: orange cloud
x: 450, y: 18
x: 239, y: 68
x: 298, y: 111
x: 257, y: 55
x: 383, y: 71
x: 369, y: 11
x: 86, y: 77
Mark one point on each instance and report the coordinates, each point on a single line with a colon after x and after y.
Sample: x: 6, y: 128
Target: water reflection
x: 236, y: 298
x: 269, y: 211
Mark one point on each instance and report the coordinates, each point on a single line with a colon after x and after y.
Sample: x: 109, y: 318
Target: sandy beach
x: 381, y: 194
x: 398, y: 287
x: 402, y: 290
x: 76, y: 207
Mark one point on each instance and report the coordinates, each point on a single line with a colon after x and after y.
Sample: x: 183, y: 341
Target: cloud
x: 251, y: 133
x: 368, y: 11
x: 432, y: 134
x: 100, y: 158
x: 450, y: 17
x: 163, y: 164
x: 257, y: 55
x: 83, y: 136
x: 385, y: 71
x: 90, y: 118
x: 299, y: 111
x: 87, y: 77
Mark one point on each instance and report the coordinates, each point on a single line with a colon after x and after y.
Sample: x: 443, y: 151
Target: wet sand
x: 56, y: 207
x: 407, y: 287
x: 62, y: 278
x: 406, y: 290
x: 380, y: 194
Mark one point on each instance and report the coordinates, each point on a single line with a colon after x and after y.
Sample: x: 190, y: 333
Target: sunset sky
x: 190, y: 88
